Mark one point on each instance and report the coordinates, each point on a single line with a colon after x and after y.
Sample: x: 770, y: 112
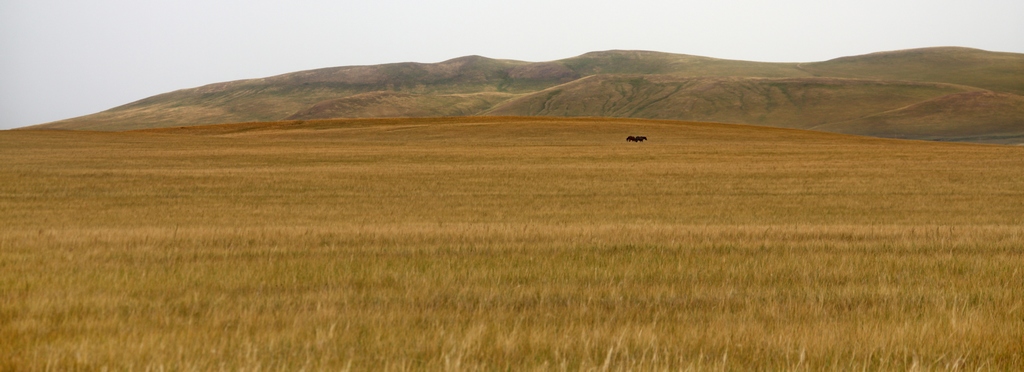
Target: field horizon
x: 527, y: 243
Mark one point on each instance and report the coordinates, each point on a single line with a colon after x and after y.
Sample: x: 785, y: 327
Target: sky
x: 67, y: 58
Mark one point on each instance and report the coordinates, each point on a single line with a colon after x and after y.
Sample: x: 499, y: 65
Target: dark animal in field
x: 636, y: 138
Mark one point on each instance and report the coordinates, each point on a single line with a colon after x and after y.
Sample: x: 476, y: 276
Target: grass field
x: 507, y: 243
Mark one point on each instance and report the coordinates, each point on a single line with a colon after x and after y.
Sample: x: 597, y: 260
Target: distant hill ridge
x: 946, y: 93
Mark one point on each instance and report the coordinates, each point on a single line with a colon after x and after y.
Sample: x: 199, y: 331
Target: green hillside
x: 978, y: 116
x: 1001, y: 72
x: 788, y: 102
x: 653, y: 63
x: 384, y: 104
x: 874, y: 94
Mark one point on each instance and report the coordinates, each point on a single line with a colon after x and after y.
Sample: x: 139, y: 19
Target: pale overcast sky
x: 66, y: 58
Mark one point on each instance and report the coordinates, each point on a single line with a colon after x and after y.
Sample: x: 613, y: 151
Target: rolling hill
x: 955, y: 94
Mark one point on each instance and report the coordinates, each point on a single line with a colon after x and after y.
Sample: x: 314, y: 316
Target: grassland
x: 507, y: 243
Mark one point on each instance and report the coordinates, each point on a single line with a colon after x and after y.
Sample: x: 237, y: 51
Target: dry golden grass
x: 507, y: 243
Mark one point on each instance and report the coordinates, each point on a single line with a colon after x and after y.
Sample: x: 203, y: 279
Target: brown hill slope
x: 295, y: 94
x: 278, y: 97
x: 851, y: 90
